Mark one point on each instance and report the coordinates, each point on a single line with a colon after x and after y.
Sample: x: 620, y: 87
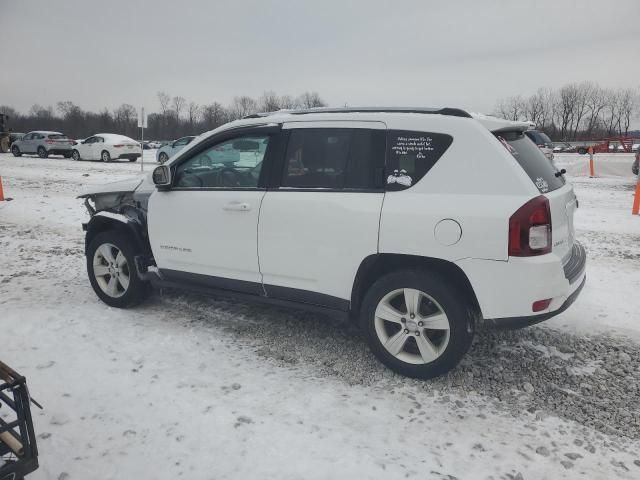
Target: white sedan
x: 107, y: 147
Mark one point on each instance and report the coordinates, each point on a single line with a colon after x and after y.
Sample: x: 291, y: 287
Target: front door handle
x: 237, y: 207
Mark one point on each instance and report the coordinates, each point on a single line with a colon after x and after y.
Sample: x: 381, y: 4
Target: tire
x: 163, y: 157
x: 115, y: 281
x: 75, y: 155
x: 105, y: 156
x: 4, y: 144
x: 42, y: 152
x: 16, y: 151
x: 445, y: 344
x: 67, y: 155
x: 133, y: 159
x: 582, y: 151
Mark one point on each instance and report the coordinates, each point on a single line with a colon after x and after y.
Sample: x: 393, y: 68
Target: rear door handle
x: 237, y: 207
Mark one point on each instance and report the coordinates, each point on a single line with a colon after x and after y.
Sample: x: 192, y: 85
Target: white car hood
x: 127, y: 185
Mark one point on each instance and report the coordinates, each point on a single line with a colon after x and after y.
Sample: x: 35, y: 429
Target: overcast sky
x: 466, y: 54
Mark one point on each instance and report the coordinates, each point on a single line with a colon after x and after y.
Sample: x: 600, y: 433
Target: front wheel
x: 417, y: 324
x: 42, y: 152
x: 112, y: 272
x: 75, y: 155
x: 16, y: 151
x: 105, y: 156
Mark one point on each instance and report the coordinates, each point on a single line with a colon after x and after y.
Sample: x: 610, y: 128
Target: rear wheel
x: 112, y: 271
x: 66, y: 155
x: 133, y: 159
x: 16, y: 151
x: 75, y: 155
x: 105, y: 156
x: 417, y: 324
x: 582, y: 151
x: 42, y: 152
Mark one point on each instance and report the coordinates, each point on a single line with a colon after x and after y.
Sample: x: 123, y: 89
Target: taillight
x: 118, y: 146
x: 530, y: 229
x: 50, y: 141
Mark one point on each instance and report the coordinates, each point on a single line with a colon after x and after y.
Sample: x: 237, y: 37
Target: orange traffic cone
x: 592, y: 172
x: 634, y: 211
x: 1, y: 191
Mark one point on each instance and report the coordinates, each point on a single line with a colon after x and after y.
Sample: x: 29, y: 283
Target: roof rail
x: 454, y: 112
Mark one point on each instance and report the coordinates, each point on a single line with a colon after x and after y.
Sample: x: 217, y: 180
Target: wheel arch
x: 376, y: 265
x: 105, y: 221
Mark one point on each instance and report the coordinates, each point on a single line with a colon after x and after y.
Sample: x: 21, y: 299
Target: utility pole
x: 142, y: 123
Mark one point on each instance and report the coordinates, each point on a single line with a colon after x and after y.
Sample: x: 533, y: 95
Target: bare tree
x: 125, y: 117
x: 193, y: 111
x: 9, y: 111
x: 164, y: 100
x: 243, y: 106
x: 269, y: 102
x: 534, y: 109
x: 595, y: 102
x: 288, y: 102
x: 41, y: 112
x: 178, y: 106
x: 611, y: 112
x: 311, y: 100
x: 512, y: 108
x: 214, y: 115
x: 628, y: 104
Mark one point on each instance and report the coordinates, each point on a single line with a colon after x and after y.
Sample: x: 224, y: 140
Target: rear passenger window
x: 334, y: 158
x: 411, y: 155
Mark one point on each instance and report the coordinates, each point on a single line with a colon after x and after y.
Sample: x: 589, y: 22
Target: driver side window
x: 234, y: 163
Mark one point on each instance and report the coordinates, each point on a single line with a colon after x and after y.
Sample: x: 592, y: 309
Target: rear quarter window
x: 539, y: 169
x: 410, y: 156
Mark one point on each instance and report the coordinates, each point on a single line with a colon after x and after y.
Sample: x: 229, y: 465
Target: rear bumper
x: 506, y: 291
x: 59, y: 151
x: 521, y: 322
x: 129, y: 156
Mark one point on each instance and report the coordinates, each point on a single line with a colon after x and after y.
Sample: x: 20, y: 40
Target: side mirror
x: 162, y: 177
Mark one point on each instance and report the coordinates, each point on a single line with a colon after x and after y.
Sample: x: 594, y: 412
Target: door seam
x: 264, y: 291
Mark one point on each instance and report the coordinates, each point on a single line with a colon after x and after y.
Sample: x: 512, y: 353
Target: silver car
x: 43, y: 143
x: 164, y: 153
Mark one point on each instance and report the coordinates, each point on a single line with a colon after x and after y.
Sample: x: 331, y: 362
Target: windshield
x: 540, y: 170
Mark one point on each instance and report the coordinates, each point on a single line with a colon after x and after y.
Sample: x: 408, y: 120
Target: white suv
x: 420, y: 223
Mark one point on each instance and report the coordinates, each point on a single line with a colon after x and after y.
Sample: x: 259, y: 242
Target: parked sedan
x: 107, y: 147
x: 559, y: 147
x: 167, y: 151
x: 43, y: 143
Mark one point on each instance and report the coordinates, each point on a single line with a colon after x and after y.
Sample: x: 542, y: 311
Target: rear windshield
x: 57, y: 136
x: 540, y: 170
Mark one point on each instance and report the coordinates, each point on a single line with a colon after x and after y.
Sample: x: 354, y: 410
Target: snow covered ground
x: 200, y: 388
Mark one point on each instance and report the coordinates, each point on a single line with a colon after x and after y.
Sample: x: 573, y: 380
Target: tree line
x: 576, y: 111
x: 176, y: 117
